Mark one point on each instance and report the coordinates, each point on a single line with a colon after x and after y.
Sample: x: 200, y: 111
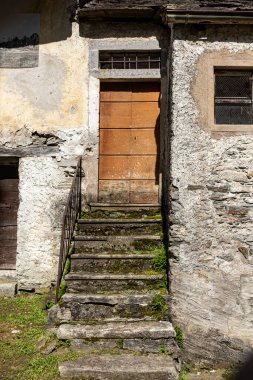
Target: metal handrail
x: 71, y: 212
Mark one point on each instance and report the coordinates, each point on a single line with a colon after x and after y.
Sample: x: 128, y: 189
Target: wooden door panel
x: 146, y: 92
x: 8, y: 232
x: 9, y: 201
x: 8, y: 196
x: 114, y: 167
x: 115, y: 141
x: 114, y: 191
x: 145, y: 191
x: 143, y: 142
x: 115, y: 115
x: 143, y: 167
x: 9, y: 183
x: 145, y: 115
x: 126, y: 141
x: 119, y: 92
x: 8, y: 255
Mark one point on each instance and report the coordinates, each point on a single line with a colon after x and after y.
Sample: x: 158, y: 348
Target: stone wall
x: 211, y: 241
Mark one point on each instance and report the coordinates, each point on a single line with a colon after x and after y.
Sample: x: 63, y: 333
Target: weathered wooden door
x: 9, y: 201
x: 129, y: 142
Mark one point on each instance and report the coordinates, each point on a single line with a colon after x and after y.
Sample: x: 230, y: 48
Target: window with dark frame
x: 233, y: 96
x: 129, y: 60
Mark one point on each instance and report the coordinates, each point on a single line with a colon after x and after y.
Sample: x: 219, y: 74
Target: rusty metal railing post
x: 71, y: 212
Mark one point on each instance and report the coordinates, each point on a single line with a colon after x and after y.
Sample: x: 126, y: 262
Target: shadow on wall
x: 51, y: 22
x: 246, y: 371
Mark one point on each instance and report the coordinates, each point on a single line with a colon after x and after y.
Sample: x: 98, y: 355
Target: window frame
x: 234, y: 100
x: 232, y: 62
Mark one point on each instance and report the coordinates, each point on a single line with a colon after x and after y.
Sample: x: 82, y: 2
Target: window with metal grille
x: 129, y: 60
x: 233, y: 97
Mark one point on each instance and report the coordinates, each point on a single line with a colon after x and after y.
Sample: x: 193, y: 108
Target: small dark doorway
x: 9, y: 202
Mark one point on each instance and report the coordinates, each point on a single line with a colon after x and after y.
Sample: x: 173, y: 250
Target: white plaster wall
x: 212, y: 216
x: 43, y: 191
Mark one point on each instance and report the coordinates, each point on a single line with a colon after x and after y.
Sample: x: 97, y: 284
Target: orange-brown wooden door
x: 9, y: 202
x: 129, y: 142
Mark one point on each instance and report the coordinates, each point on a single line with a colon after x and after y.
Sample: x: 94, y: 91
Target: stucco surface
x: 44, y: 120
x: 212, y: 215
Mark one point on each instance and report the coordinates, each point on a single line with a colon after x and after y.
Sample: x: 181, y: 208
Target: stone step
x: 112, y: 263
x: 97, y: 283
x: 90, y: 307
x: 8, y: 275
x: 123, y: 227
x: 116, y: 330
x: 107, y: 244
x: 122, y: 210
x: 139, y: 336
x: 8, y: 288
x: 120, y: 367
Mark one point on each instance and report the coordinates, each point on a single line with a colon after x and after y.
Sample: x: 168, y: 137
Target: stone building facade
x: 50, y: 104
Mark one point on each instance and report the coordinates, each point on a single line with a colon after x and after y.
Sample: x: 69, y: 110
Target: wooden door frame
x: 96, y: 76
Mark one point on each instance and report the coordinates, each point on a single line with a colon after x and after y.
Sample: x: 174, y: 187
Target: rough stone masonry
x: 211, y: 233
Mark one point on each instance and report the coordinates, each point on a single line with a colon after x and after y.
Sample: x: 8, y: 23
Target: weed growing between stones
x: 179, y: 336
x: 160, y: 260
x: 63, y: 284
x: 158, y: 303
x: 164, y: 351
x: 183, y: 375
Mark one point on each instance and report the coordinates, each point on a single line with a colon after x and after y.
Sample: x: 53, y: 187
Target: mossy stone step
x: 107, y: 244
x: 95, y: 307
x: 113, y: 263
x: 118, y: 226
x: 140, y: 336
x: 117, y: 210
x: 95, y: 283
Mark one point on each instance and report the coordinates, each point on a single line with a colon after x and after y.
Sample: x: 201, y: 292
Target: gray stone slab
x: 121, y: 367
x: 133, y: 330
x: 8, y: 289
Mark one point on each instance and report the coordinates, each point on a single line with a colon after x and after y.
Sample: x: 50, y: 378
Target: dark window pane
x: 129, y: 60
x: 143, y: 65
x: 155, y: 65
x: 233, y: 114
x: 230, y: 86
x: 105, y: 65
x: 118, y: 65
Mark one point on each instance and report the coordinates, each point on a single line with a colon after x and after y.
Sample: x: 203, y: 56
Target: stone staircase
x: 114, y: 310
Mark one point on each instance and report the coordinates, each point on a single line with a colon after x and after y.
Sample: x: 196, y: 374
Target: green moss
x: 163, y: 350
x: 155, y: 216
x: 158, y: 303
x: 179, y: 337
x: 160, y: 260
x: 120, y: 343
